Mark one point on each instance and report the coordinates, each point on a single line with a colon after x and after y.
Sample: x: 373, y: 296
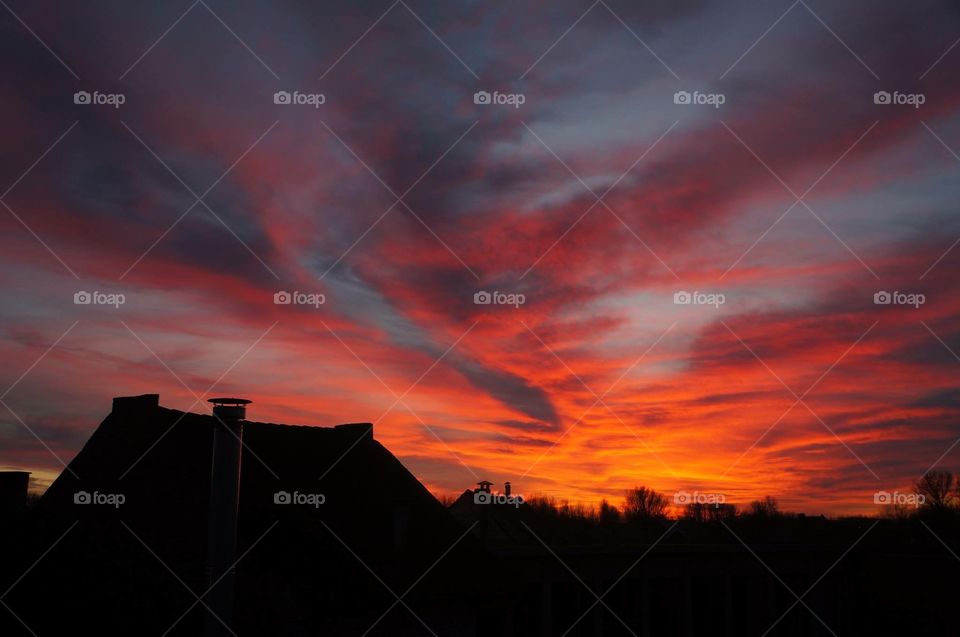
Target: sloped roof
x: 159, y: 459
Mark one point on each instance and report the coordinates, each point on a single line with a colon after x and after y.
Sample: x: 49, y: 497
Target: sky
x: 687, y: 218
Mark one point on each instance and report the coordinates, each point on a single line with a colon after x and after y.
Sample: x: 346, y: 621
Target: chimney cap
x: 229, y: 401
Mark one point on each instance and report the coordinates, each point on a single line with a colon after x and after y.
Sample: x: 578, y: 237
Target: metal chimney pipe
x: 506, y: 488
x: 229, y: 414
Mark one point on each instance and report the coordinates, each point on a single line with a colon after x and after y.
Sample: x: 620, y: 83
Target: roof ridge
x: 341, y: 426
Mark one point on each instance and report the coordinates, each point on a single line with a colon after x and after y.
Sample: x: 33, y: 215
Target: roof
x: 161, y: 457
x: 375, y: 514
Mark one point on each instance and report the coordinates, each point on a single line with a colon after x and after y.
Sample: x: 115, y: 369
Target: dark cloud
x: 512, y: 390
x: 943, y: 399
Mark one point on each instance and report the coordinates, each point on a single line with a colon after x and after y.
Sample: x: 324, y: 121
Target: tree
x: 704, y: 512
x: 723, y: 511
x: 765, y: 508
x: 937, y: 489
x: 642, y: 503
x: 608, y: 514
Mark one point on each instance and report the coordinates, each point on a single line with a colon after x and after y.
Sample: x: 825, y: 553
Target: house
x: 332, y: 528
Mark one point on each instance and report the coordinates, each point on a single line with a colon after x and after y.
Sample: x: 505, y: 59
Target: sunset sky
x: 399, y: 198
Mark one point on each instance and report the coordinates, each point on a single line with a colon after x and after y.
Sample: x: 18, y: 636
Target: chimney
x: 229, y: 414
x: 506, y: 488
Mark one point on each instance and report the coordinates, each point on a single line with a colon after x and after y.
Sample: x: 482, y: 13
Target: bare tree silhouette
x: 767, y: 507
x: 937, y: 487
x: 642, y: 503
x: 608, y: 513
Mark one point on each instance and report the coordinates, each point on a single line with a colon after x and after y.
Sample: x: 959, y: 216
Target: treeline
x: 643, y: 504
x: 937, y: 493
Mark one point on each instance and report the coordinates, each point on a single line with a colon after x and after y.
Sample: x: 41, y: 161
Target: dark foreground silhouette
x: 336, y: 537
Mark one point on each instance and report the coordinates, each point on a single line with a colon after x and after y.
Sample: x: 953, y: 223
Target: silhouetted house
x: 492, y: 521
x: 330, y: 522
